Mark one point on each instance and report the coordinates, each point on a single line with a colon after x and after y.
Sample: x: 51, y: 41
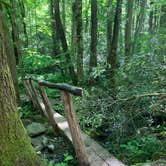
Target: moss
x: 15, y: 146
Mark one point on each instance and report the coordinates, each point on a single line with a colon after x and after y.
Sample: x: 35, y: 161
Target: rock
x: 37, y: 140
x: 35, y: 129
x: 45, y: 141
x: 51, y: 147
x: 39, y: 148
x: 37, y: 143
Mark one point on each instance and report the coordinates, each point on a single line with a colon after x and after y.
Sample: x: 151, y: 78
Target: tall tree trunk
x: 60, y: 31
x: 16, y: 39
x: 55, y: 36
x: 93, y: 46
x: 9, y: 51
x: 73, y: 30
x: 151, y: 18
x: 15, y: 147
x: 64, y: 14
x: 139, y: 23
x: 109, y: 30
x: 162, y: 30
x: 128, y: 29
x: 87, y: 16
x: 22, y: 11
x: 115, y: 38
x: 79, y: 39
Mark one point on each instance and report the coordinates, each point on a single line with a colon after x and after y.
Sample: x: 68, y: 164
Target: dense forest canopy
x: 114, y: 49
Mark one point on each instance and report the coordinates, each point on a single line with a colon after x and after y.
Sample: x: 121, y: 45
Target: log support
x: 74, y: 129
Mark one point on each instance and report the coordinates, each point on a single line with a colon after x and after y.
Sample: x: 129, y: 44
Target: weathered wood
x: 35, y: 97
x: 61, y: 86
x: 27, y: 89
x: 48, y: 108
x: 95, y: 154
x: 75, y: 130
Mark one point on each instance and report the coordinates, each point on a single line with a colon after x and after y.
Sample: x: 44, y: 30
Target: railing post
x: 48, y: 108
x: 35, y: 97
x: 75, y: 129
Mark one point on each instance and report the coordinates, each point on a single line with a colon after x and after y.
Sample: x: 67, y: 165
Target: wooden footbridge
x: 88, y: 151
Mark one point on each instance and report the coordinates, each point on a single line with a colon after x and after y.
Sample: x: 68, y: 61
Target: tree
x: 22, y: 11
x: 16, y: 38
x: 9, y: 51
x: 109, y: 30
x: 114, y: 46
x: 139, y: 23
x: 55, y: 36
x: 128, y: 29
x: 15, y: 147
x: 60, y: 31
x: 79, y: 39
x: 93, y: 45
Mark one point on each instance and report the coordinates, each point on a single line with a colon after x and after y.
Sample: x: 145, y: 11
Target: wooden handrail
x: 77, y: 91
x: 76, y: 134
x: 87, y: 150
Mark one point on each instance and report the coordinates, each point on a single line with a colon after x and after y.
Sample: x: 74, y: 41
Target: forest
x: 82, y: 82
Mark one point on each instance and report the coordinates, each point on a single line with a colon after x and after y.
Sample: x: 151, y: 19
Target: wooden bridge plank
x: 97, y: 155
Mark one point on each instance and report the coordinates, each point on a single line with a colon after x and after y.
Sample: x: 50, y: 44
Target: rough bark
x: 109, y: 31
x: 15, y: 147
x: 128, y: 28
x: 151, y: 18
x: 55, y: 36
x: 162, y: 30
x: 139, y: 23
x: 93, y: 45
x: 16, y: 39
x: 79, y: 39
x: 73, y: 30
x: 60, y: 31
x: 9, y: 51
x: 114, y: 46
x: 22, y: 11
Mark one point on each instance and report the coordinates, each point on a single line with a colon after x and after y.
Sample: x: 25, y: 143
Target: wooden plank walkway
x: 97, y: 155
x: 88, y: 151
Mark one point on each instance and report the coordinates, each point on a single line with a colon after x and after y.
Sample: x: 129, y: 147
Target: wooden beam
x: 75, y: 130
x: 48, y: 108
x: 60, y: 86
x: 35, y: 98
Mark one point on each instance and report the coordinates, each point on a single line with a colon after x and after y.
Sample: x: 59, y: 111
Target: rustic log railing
x: 87, y: 150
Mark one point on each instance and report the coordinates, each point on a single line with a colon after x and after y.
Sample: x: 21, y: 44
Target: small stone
x: 35, y: 129
x: 45, y: 141
x: 39, y: 152
x: 51, y: 147
x: 39, y: 148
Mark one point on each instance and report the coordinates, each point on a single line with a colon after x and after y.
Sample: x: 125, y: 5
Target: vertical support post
x: 28, y: 92
x: 48, y: 108
x: 35, y: 99
x: 75, y: 130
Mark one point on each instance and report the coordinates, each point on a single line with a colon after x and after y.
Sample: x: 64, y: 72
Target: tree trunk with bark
x: 60, y: 31
x: 114, y: 46
x: 79, y: 39
x: 139, y: 23
x: 55, y: 36
x: 93, y: 45
x: 15, y: 147
x: 109, y: 30
x: 16, y: 39
x: 128, y: 28
x: 22, y: 11
x: 9, y: 51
